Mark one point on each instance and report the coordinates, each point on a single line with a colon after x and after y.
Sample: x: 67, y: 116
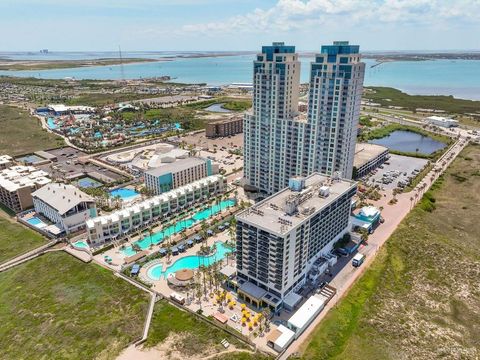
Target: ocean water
x: 460, y: 78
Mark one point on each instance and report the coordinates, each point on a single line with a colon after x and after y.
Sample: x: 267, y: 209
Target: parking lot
x: 398, y: 169
x: 69, y: 164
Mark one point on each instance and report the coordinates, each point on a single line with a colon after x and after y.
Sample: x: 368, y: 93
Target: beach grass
x: 198, y: 337
x: 25, y: 134
x: 16, y: 239
x: 57, y: 307
x: 419, y: 299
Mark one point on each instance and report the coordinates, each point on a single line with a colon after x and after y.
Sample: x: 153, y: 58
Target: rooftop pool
x: 189, y: 262
x: 158, y: 237
x: 124, y: 193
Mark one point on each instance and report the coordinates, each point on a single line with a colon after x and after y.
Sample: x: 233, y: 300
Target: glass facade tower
x: 281, y: 143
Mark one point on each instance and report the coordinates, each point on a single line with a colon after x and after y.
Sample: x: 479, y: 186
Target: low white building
x: 442, y: 121
x: 5, y: 161
x: 64, y: 205
x: 122, y: 222
x: 280, y: 338
x: 306, y: 314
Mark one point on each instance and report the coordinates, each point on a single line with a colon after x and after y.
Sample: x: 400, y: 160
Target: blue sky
x: 95, y: 25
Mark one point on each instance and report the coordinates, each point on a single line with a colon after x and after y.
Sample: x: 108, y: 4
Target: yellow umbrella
x: 243, y: 306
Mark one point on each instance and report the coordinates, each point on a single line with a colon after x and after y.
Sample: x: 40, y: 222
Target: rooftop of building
x: 440, y: 118
x: 176, y: 166
x: 20, y: 176
x: 364, y: 152
x: 226, y: 120
x: 61, y: 197
x: 63, y: 108
x: 4, y: 159
x: 339, y: 48
x: 273, y: 213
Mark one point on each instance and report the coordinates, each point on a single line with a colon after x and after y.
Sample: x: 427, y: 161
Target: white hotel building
x: 65, y: 205
x: 280, y: 238
x: 119, y: 223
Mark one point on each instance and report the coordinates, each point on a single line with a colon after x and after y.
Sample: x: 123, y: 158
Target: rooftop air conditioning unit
x: 324, y: 191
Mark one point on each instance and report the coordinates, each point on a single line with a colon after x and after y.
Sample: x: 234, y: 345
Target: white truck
x: 358, y: 260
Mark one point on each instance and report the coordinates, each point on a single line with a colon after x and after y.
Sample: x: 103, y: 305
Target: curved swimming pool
x: 189, y: 262
x: 158, y: 237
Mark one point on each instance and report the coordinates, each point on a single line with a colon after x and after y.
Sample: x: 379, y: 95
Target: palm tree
x: 204, y: 227
x: 150, y: 234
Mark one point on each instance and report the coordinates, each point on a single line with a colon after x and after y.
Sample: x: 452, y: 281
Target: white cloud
x: 288, y: 15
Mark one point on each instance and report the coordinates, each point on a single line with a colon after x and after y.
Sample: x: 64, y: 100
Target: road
x: 399, y: 119
x: 393, y: 215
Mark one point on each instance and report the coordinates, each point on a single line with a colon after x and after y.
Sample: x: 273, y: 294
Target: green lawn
x: 16, y: 239
x: 198, y: 337
x: 56, y: 307
x: 387, y: 96
x: 25, y: 133
x: 420, y: 298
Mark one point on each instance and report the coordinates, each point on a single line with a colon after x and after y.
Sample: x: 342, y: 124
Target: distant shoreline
x: 7, y: 64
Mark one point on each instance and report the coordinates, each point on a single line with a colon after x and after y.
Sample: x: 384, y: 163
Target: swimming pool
x: 124, y: 193
x: 51, y: 124
x: 88, y: 182
x: 180, y: 225
x: 36, y: 222
x: 189, y: 262
x: 81, y: 244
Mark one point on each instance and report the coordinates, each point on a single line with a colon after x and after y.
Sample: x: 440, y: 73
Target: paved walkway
x: 393, y: 215
x: 26, y: 256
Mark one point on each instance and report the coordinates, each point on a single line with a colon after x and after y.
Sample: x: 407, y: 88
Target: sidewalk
x: 393, y: 215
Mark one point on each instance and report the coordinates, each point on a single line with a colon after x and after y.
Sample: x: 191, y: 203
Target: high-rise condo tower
x: 281, y: 143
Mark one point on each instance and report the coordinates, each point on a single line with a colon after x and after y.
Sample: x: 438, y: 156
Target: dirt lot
x: 218, y: 149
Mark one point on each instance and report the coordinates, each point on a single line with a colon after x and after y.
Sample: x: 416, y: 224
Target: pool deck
x: 207, y: 304
x: 118, y: 257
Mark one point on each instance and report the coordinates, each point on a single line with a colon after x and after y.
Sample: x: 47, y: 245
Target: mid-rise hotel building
x: 179, y: 173
x: 119, y: 223
x: 17, y: 184
x: 280, y: 238
x: 279, y: 142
